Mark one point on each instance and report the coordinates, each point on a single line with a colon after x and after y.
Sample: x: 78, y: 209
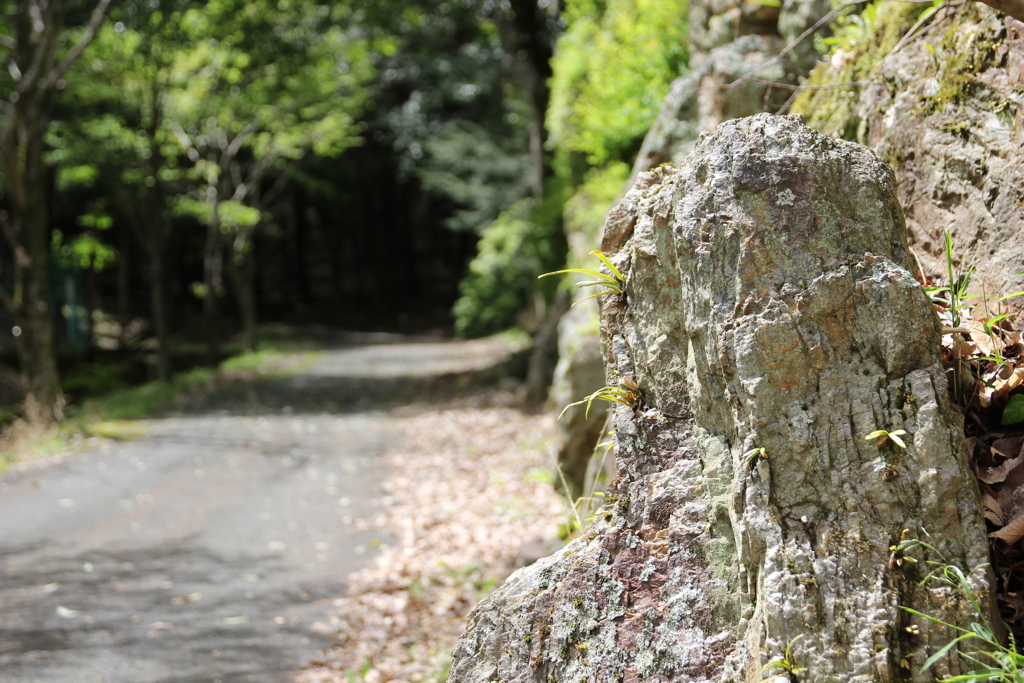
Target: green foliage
x: 82, y: 251
x: 884, y: 435
x: 524, y: 242
x: 586, y: 209
x: 953, y: 295
x: 91, y: 379
x: 613, y: 282
x: 479, y: 172
x: 859, y: 41
x: 612, y: 68
x: 786, y: 663
x: 627, y: 394
x: 755, y: 454
x: 995, y: 661
x: 500, y: 278
x: 1013, y: 413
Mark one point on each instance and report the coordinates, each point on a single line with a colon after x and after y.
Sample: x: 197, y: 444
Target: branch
x: 268, y: 198
x: 185, y: 141
x: 238, y: 141
x: 913, y: 33
x: 90, y: 32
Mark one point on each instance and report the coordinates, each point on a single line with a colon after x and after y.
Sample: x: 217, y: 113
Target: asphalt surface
x: 211, y: 548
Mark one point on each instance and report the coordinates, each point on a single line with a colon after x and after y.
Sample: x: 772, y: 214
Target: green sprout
x: 995, y: 661
x: 955, y: 292
x: 755, y: 454
x: 885, y: 434
x: 613, y: 282
x: 628, y: 394
x: 787, y: 663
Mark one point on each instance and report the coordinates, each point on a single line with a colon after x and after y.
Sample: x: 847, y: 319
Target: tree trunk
x: 213, y: 263
x: 37, y: 32
x: 243, y: 284
x: 44, y: 401
x: 158, y: 300
x: 769, y: 304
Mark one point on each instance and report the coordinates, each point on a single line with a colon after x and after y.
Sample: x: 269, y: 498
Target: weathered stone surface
x: 959, y: 163
x: 729, y: 38
x: 769, y: 304
x: 709, y: 95
x: 946, y: 111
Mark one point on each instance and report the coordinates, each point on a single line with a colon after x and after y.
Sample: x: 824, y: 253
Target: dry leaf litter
x: 983, y: 354
x: 469, y: 498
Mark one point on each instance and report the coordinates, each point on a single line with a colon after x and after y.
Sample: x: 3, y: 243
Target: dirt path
x: 211, y: 549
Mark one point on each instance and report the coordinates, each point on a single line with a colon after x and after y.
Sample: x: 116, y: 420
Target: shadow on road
x: 361, y: 372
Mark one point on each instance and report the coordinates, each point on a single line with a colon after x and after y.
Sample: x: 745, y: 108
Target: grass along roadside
x: 120, y: 413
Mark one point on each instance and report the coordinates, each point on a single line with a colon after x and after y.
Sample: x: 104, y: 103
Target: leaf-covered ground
x: 469, y: 499
x: 983, y: 354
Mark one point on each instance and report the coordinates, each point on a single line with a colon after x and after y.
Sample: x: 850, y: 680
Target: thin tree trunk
x: 44, y: 400
x: 158, y: 301
x: 245, y: 294
x: 124, y: 258
x: 213, y: 261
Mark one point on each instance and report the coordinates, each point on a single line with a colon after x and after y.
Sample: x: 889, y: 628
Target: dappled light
x: 594, y: 341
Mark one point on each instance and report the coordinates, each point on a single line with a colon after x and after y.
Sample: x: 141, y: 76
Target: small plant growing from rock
x: 995, y: 661
x: 883, y: 434
x: 627, y: 393
x: 613, y: 282
x: 787, y: 663
x: 755, y: 454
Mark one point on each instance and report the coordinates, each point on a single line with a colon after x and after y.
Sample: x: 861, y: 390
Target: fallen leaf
x: 995, y: 475
x: 1011, y: 446
x: 993, y: 510
x: 1014, y: 602
x: 1012, y: 532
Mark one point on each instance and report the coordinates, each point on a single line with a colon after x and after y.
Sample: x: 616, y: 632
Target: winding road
x: 211, y: 548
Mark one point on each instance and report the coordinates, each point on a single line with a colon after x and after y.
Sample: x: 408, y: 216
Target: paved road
x: 210, y: 549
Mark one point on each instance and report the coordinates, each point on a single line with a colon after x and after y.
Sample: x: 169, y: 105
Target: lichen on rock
x: 946, y: 111
x: 769, y: 303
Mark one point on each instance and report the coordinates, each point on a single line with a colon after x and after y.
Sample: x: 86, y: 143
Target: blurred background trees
x: 174, y: 172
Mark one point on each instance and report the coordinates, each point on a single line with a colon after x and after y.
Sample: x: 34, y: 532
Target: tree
x: 37, y: 59
x: 259, y: 87
x: 115, y: 136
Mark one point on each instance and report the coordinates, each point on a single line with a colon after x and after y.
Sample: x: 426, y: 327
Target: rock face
x: 728, y: 39
x: 947, y: 112
x: 769, y: 304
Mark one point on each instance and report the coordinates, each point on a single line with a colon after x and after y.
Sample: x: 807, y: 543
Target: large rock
x: 729, y: 40
x: 959, y: 163
x: 769, y: 304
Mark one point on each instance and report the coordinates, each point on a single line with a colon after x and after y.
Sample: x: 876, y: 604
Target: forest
x: 176, y: 173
